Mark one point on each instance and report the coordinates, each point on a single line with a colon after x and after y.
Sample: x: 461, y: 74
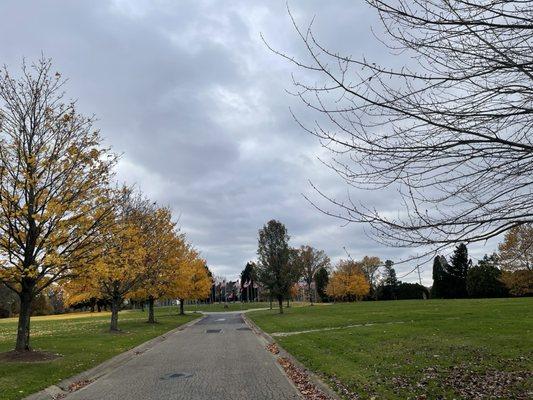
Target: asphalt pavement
x: 217, y: 358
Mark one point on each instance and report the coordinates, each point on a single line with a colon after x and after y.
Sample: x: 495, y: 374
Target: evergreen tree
x: 275, y: 269
x: 441, y: 278
x: 389, y: 286
x: 449, y: 280
x: 390, y: 274
x: 458, y: 269
x: 483, y: 280
x: 321, y: 281
x: 408, y: 291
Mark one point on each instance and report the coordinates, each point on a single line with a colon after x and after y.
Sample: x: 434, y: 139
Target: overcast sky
x: 190, y: 95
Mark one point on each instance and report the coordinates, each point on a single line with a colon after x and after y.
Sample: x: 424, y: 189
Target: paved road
x: 218, y: 358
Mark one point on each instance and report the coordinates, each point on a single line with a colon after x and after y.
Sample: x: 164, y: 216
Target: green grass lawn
x: 83, y: 340
x: 237, y: 306
x: 436, y: 349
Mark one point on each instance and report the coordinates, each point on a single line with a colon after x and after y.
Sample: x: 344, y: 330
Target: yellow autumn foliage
x: 143, y: 256
x: 348, y: 284
x: 193, y: 281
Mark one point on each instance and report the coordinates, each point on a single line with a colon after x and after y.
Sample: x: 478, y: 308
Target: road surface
x: 217, y: 358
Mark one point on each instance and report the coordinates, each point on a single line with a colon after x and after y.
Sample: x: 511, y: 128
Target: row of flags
x: 248, y: 283
x: 245, y: 285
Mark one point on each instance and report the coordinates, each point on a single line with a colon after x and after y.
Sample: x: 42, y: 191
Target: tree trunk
x: 280, y: 302
x: 309, y: 291
x: 270, y: 302
x: 182, y: 311
x: 151, y: 316
x: 23, y: 331
x: 115, y: 306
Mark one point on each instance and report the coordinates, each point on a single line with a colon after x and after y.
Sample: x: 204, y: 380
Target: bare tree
x: 53, y: 178
x: 309, y: 261
x: 451, y: 129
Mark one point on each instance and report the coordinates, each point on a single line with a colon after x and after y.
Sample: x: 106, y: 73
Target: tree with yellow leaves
x: 199, y: 280
x: 516, y: 260
x: 54, y: 175
x: 516, y: 250
x: 166, y: 250
x: 193, y: 281
x: 143, y: 256
x: 370, y: 266
x: 335, y: 287
x: 79, y: 289
x: 348, y: 281
x: 119, y: 268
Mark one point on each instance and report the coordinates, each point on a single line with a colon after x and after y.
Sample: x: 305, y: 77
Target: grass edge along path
x: 82, y: 339
x: 443, y: 349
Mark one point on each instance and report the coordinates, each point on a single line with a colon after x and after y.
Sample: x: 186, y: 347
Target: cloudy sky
x: 191, y: 96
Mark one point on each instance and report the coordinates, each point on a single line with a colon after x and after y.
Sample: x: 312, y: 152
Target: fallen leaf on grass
x: 341, y: 388
x: 468, y: 383
x: 488, y: 385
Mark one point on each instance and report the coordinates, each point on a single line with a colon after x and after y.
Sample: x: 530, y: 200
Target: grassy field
x: 436, y: 349
x: 82, y: 339
x: 237, y: 306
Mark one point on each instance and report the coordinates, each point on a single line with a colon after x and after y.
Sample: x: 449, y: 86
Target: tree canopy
x: 348, y: 282
x: 54, y: 175
x: 321, y: 281
x: 516, y: 250
x: 309, y: 261
x: 484, y: 279
x: 275, y: 269
x: 514, y: 258
x: 449, y: 279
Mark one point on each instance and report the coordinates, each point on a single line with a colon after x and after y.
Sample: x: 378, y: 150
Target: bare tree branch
x: 451, y: 131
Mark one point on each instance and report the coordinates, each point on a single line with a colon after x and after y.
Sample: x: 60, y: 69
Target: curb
x: 314, y: 378
x: 260, y: 335
x: 61, y: 389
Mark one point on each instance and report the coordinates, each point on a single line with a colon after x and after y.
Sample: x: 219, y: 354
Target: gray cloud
x: 197, y: 104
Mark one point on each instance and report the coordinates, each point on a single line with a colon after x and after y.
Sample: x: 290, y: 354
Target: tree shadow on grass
x: 32, y: 356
